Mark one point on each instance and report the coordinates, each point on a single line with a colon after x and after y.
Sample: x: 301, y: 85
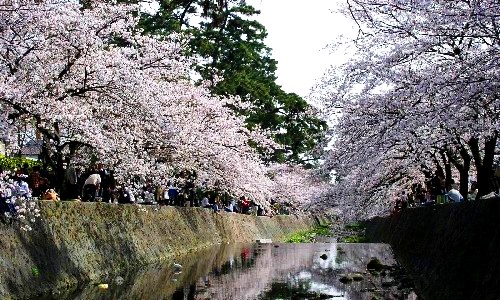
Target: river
x: 261, y: 271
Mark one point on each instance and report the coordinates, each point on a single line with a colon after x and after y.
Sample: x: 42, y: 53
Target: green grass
x: 309, y: 236
x: 353, y: 239
x: 35, y: 272
x: 356, y: 226
x: 358, y: 233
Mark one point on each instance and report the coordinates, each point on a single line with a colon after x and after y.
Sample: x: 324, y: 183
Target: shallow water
x: 263, y: 271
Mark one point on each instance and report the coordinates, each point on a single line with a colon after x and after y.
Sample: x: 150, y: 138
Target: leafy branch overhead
x: 229, y: 50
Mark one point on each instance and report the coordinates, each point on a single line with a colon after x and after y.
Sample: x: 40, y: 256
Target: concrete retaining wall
x: 453, y: 250
x: 75, y: 242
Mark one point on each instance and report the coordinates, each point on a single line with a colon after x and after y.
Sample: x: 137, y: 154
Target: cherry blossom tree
x: 93, y: 86
x: 14, y: 205
x: 302, y: 188
x: 420, y: 93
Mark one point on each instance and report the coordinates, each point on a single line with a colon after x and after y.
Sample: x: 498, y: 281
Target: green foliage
x: 300, y: 289
x: 353, y: 239
x: 309, y: 236
x: 35, y: 272
x: 14, y: 163
x: 356, y: 226
x: 238, y: 55
x: 232, y: 47
x: 357, y: 233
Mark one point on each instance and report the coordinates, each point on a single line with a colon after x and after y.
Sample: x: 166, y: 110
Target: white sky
x: 298, y: 32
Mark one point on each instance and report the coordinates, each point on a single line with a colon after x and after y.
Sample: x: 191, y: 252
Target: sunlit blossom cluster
x: 20, y: 208
x: 421, y: 92
x: 93, y: 86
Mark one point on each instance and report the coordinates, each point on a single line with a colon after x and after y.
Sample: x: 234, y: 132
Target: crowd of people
x: 435, y: 191
x: 98, y: 184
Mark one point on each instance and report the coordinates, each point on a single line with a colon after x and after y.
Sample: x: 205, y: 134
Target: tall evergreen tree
x: 229, y: 44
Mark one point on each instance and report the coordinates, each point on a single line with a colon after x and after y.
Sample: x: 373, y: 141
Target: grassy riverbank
x: 310, y: 236
x: 350, y: 233
x: 353, y: 233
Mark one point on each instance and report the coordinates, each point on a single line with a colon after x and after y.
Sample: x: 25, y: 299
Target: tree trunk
x: 439, y: 169
x: 464, y: 173
x: 484, y: 165
x: 463, y: 168
x: 464, y: 182
x: 59, y: 172
x: 447, y: 167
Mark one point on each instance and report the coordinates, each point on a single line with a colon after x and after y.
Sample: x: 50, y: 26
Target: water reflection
x: 266, y: 271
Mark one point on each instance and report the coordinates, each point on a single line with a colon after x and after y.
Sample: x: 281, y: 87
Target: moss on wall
x: 451, y: 250
x: 75, y: 242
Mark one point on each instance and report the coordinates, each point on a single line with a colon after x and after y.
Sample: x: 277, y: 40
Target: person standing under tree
x: 91, y: 186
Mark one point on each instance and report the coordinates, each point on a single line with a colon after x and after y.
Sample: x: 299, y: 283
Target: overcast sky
x: 298, y: 33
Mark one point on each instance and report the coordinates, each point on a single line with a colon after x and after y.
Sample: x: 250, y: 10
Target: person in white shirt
x: 453, y: 194
x: 205, y: 202
x: 91, y: 187
x: 229, y: 207
x: 94, y: 179
x: 21, y: 187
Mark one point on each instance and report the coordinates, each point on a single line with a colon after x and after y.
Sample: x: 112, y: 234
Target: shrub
x: 14, y: 163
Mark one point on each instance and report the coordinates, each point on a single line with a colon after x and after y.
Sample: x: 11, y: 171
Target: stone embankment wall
x: 453, y: 250
x: 79, y: 242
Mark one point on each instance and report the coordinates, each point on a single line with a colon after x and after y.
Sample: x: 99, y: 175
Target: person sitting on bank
x: 214, y: 202
x: 230, y: 206
x: 471, y: 196
x: 244, y: 205
x: 36, y: 182
x: 21, y: 186
x: 205, y: 202
x: 91, y: 187
x: 126, y: 196
x: 260, y: 210
x: 453, y: 194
